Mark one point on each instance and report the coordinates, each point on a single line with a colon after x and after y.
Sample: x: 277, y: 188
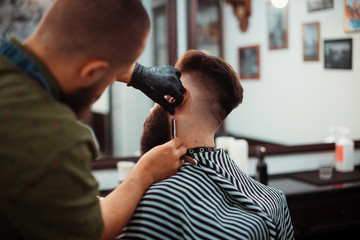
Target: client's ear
x: 92, y: 72
x: 186, y: 96
x: 182, y: 105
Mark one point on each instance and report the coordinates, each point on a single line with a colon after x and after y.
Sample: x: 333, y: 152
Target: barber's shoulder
x: 19, y: 92
x: 29, y: 112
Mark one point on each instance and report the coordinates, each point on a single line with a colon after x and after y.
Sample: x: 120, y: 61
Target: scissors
x: 173, y: 134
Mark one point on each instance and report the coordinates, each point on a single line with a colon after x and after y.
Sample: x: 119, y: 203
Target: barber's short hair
x: 106, y: 29
x: 220, y: 83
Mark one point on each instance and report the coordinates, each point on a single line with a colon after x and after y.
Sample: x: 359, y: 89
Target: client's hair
x: 220, y: 83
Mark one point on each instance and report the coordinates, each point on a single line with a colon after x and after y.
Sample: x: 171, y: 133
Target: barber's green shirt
x: 47, y: 190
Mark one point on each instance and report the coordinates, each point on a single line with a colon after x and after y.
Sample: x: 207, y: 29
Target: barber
x: 47, y: 83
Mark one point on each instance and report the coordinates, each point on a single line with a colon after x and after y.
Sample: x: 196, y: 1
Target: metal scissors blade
x: 173, y: 128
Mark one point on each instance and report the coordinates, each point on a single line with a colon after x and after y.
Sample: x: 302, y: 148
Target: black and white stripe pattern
x: 213, y: 199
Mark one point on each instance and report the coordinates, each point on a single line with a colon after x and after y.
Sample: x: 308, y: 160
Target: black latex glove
x: 157, y: 82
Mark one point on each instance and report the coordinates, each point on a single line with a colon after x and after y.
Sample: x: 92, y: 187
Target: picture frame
x: 317, y: 5
x: 278, y: 27
x: 311, y: 41
x: 352, y: 12
x: 249, y: 59
x: 338, y: 54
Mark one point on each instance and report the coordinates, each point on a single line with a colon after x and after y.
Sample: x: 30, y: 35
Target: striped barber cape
x: 213, y: 199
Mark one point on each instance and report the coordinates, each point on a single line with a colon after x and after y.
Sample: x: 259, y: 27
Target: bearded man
x: 210, y: 197
x: 47, y: 83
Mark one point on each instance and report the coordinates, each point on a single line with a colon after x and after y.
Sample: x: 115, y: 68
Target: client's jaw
x: 156, y: 129
x: 191, y: 128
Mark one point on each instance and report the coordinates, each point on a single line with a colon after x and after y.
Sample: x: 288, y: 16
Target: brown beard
x: 156, y: 129
x: 80, y: 101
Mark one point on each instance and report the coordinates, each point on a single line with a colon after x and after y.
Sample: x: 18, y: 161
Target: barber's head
x: 213, y: 91
x: 88, y: 44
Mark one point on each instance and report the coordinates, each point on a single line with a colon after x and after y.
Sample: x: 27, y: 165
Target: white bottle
x: 333, y: 134
x: 239, y: 152
x: 344, y: 152
x: 223, y: 142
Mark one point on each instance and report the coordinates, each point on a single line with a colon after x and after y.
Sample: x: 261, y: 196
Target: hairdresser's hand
x: 161, y: 162
x: 157, y: 82
x: 157, y: 164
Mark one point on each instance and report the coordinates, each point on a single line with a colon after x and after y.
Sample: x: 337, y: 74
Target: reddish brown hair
x: 216, y: 78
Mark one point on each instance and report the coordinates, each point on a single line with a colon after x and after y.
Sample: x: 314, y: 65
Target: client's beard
x: 156, y: 130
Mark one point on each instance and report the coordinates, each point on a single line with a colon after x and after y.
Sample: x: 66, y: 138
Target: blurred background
x: 290, y: 97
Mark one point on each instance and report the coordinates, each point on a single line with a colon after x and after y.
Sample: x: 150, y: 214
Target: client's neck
x: 194, y: 133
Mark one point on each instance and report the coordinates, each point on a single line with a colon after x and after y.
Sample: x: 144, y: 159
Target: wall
x: 294, y: 101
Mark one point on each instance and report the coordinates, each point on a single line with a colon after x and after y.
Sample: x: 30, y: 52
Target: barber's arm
x: 157, y: 164
x: 156, y: 82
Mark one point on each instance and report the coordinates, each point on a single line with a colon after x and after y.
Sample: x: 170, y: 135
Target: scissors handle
x: 188, y: 159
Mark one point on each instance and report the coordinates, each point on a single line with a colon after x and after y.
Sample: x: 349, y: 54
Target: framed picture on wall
x: 338, y: 53
x: 316, y: 5
x: 311, y: 42
x: 352, y: 15
x: 278, y: 27
x: 249, y: 62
